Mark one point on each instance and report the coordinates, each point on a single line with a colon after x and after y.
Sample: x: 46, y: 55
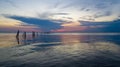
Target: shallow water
x: 60, y: 50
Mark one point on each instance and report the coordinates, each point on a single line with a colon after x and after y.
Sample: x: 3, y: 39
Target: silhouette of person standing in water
x: 17, y: 35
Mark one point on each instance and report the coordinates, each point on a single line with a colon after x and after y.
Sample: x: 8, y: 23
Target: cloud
x: 60, y: 13
x: 108, y: 13
x: 71, y: 29
x: 74, y: 9
x: 71, y: 24
x: 45, y: 25
x: 21, y: 28
x: 47, y: 15
x: 111, y: 26
x: 10, y: 2
x: 53, y: 15
x: 12, y: 25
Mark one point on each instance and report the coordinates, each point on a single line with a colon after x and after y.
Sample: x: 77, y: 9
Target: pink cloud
x: 13, y: 29
x: 71, y: 29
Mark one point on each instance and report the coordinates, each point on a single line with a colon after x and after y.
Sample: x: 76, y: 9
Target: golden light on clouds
x: 106, y: 18
x: 9, y: 22
x: 71, y: 24
x: 13, y: 25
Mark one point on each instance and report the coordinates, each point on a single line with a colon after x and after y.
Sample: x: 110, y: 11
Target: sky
x: 60, y: 15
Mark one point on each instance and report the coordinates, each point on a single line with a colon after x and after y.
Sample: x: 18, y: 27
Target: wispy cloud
x: 52, y: 15
x: 10, y: 2
x: 73, y: 8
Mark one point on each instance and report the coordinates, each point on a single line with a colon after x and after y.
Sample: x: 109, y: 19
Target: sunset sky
x: 60, y: 15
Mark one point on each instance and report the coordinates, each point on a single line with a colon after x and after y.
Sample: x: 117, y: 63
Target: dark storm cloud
x: 112, y: 26
x: 45, y: 25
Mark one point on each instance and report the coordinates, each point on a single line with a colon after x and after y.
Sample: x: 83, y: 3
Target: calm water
x: 60, y: 50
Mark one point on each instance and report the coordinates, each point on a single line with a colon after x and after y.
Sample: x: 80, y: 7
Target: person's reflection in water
x: 33, y: 37
x: 18, y: 41
x: 17, y: 37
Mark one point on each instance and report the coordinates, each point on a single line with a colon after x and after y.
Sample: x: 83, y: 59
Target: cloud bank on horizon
x: 59, y: 15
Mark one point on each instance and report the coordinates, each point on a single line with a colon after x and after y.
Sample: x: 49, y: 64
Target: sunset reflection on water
x: 7, y: 40
x: 52, y: 50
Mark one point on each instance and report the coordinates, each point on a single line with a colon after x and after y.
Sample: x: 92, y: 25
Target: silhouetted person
x: 17, y: 35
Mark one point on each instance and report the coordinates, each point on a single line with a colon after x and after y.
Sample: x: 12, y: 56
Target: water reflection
x: 63, y: 50
x: 30, y: 38
x: 91, y: 38
x: 70, y: 39
x: 26, y: 38
x: 7, y: 40
x: 18, y: 40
